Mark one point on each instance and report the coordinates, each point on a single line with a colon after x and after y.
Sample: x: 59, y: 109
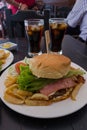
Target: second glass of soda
x: 58, y: 27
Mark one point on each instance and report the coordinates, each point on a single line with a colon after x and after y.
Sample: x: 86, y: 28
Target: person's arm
x: 20, y: 6
x: 75, y: 16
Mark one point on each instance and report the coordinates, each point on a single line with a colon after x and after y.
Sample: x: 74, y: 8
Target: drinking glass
x: 57, y: 29
x: 34, y: 32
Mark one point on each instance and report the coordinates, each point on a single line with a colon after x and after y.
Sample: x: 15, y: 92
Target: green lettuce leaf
x: 27, y: 81
x: 75, y: 72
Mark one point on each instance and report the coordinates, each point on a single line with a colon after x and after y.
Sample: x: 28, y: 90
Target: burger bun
x: 52, y: 65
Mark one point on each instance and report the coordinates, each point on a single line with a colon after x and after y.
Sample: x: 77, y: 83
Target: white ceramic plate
x: 8, y: 46
x: 8, y: 60
x: 58, y: 109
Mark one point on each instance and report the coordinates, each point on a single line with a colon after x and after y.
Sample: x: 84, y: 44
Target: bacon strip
x: 60, y: 84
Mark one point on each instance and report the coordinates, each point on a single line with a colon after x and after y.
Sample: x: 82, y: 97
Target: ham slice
x: 60, y: 84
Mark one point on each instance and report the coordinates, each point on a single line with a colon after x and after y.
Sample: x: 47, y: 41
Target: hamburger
x: 49, y: 78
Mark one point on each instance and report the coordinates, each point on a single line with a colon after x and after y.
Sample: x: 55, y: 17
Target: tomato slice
x: 17, y: 66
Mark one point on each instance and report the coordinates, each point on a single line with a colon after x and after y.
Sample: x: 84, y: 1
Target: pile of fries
x: 16, y: 96
x: 3, y: 56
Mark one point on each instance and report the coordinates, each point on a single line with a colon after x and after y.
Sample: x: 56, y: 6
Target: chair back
x: 75, y: 50
x: 51, y: 8
x: 20, y: 16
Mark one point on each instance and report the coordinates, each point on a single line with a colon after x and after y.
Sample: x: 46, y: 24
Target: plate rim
x: 31, y: 108
x: 14, y: 45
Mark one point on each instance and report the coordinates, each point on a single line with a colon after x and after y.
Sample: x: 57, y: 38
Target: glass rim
x: 27, y: 20
x: 58, y: 19
x: 33, y: 22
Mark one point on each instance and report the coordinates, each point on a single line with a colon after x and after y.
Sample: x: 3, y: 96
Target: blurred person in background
x: 15, y: 5
x: 3, y: 6
x: 78, y: 17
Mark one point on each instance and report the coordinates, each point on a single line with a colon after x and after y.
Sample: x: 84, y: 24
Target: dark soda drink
x: 57, y: 34
x: 34, y: 31
x: 35, y: 34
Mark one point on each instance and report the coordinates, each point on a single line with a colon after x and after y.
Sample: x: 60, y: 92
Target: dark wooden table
x: 11, y: 120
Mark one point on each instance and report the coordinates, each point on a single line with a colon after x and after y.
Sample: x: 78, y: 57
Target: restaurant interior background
x: 71, y: 47
x: 60, y: 2
x: 53, y: 5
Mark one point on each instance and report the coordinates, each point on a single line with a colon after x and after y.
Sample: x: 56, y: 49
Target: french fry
x: 10, y: 80
x: 75, y: 91
x: 24, y: 93
x: 13, y: 99
x: 30, y: 102
x: 12, y: 91
x: 39, y: 96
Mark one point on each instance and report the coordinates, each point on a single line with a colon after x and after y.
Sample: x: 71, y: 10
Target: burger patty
x: 60, y: 93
